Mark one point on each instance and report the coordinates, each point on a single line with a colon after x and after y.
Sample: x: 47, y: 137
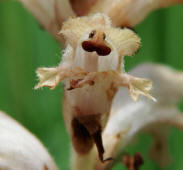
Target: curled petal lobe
x: 139, y: 86
x: 125, y: 40
x: 48, y: 77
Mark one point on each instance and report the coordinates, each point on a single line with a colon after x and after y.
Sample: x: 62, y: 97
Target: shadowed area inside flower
x: 85, y: 134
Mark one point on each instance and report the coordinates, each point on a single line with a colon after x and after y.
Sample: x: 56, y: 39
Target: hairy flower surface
x: 129, y: 12
x: 91, y: 72
x: 21, y: 150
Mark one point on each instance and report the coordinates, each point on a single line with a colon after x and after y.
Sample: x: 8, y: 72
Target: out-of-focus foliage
x: 24, y: 46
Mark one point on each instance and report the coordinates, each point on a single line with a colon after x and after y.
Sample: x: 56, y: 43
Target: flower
x: 52, y: 13
x: 20, y: 149
x: 91, y: 72
x: 127, y: 118
x: 129, y: 12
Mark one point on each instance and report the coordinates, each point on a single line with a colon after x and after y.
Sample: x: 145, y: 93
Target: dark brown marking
x: 99, y: 144
x: 45, y: 167
x: 90, y: 122
x: 81, y: 138
x: 74, y: 83
x: 92, y: 34
x: 133, y: 162
x: 111, y: 92
x: 86, y: 131
x: 104, y: 36
x: 100, y: 48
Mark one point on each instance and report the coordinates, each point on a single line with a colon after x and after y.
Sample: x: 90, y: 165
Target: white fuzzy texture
x: 20, y: 150
x: 129, y: 12
x: 128, y: 118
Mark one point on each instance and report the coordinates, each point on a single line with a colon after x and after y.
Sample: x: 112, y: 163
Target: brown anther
x: 133, y: 162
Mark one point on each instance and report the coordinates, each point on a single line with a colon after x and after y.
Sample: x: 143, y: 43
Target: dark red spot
x: 45, y: 167
x: 133, y: 162
x: 101, y: 49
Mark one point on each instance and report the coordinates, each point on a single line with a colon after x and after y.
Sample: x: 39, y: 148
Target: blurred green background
x: 24, y: 46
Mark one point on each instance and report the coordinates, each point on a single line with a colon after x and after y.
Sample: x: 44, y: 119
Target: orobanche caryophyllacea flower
x: 127, y: 118
x: 21, y: 150
x: 52, y: 13
x: 91, y: 71
x: 129, y: 12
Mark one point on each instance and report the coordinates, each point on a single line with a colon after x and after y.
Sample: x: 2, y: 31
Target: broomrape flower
x: 127, y: 118
x: 91, y: 72
x: 82, y: 75
x: 21, y: 150
x: 52, y: 13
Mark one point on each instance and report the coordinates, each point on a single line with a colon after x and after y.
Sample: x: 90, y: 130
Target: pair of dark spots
x: 93, y: 33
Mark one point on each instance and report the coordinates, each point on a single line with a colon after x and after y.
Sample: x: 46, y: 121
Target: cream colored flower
x: 21, y: 150
x: 129, y: 12
x: 127, y: 118
x: 92, y: 72
x: 52, y: 13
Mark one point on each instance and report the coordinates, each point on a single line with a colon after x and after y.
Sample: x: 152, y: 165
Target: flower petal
x: 129, y: 12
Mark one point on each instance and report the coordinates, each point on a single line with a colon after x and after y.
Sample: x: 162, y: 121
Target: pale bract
x: 20, y: 150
